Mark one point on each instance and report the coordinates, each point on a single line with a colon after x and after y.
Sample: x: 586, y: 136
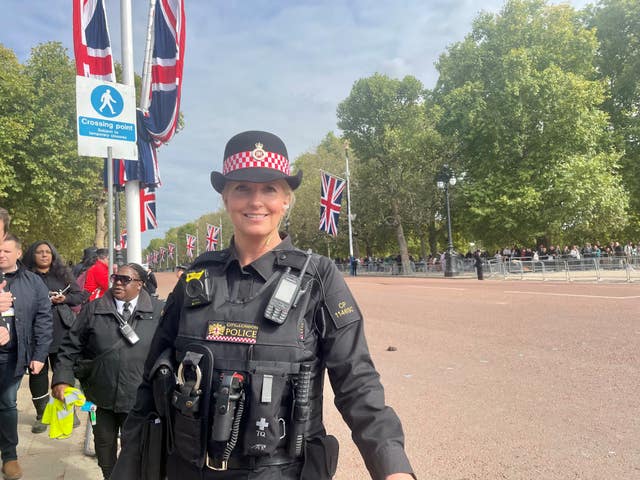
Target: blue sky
x: 281, y: 66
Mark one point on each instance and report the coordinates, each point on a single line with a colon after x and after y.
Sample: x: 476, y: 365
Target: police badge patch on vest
x: 233, y: 332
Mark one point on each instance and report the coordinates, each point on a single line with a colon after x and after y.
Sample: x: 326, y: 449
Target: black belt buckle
x: 211, y: 464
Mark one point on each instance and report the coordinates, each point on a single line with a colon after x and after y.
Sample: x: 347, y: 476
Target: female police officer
x: 248, y: 332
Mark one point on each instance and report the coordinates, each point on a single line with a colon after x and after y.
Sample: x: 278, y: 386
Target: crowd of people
x: 56, y: 318
x: 436, y: 261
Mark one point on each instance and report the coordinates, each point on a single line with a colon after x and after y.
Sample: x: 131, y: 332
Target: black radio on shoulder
x: 197, y: 289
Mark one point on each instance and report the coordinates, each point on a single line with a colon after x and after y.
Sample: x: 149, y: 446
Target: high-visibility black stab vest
x: 240, y: 406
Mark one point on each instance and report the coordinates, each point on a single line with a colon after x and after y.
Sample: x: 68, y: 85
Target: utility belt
x: 253, y: 416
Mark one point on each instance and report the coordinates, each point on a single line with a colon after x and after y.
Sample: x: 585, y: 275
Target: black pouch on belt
x: 320, y: 458
x: 152, y: 461
x: 265, y: 428
x: 190, y: 404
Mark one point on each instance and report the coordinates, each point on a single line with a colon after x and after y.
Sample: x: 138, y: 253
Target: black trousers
x: 39, y: 385
x: 105, y: 435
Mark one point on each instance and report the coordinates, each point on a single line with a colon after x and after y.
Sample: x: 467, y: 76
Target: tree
x: 385, y: 122
x: 617, y: 26
x: 521, y: 102
x: 16, y: 119
x: 46, y: 186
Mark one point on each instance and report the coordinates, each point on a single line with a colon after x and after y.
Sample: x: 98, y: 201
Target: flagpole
x: 145, y: 98
x: 220, y: 233
x: 346, y: 156
x: 131, y: 188
x: 110, y: 206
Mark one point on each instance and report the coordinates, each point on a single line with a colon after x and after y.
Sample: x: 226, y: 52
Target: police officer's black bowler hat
x: 255, y: 156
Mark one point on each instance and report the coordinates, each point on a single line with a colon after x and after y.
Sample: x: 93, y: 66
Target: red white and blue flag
x: 191, y: 245
x: 163, y: 253
x: 158, y: 124
x: 171, y: 248
x: 330, y: 202
x: 123, y: 239
x: 148, y: 220
x: 91, y: 44
x: 166, y: 70
x: 213, y: 233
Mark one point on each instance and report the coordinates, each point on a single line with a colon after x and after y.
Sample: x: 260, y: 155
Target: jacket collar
x: 107, y: 304
x: 265, y: 265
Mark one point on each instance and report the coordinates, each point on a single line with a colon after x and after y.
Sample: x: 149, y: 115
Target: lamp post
x: 447, y: 178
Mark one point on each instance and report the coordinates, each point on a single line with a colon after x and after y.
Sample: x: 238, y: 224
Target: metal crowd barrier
x: 586, y: 269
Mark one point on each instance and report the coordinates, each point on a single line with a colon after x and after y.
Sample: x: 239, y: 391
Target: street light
x: 447, y: 178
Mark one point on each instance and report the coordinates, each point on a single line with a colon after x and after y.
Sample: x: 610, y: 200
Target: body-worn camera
x: 197, y: 290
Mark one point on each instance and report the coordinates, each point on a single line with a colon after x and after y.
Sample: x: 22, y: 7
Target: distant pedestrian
x: 478, y: 264
x: 88, y: 259
x: 151, y: 284
x: 180, y: 269
x: 353, y: 263
x: 97, y: 281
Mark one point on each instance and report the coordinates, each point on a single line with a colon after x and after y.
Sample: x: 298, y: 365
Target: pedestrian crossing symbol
x: 107, y: 101
x: 106, y: 116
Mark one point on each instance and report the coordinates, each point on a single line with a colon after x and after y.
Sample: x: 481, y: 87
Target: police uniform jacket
x: 32, y: 320
x: 107, y: 365
x: 333, y: 340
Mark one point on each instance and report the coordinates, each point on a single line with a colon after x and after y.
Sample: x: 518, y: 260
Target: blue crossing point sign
x: 106, y: 117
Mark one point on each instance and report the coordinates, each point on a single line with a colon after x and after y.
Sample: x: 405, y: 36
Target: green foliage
x: 521, y: 98
x: 617, y: 26
x: 386, y: 123
x: 46, y: 186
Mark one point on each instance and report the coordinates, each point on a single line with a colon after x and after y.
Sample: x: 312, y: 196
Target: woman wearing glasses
x: 106, y: 349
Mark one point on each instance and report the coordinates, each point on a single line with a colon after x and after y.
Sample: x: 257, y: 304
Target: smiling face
x: 256, y: 209
x: 122, y: 288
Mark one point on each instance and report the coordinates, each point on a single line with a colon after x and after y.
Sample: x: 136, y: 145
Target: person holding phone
x: 25, y: 336
x: 42, y: 259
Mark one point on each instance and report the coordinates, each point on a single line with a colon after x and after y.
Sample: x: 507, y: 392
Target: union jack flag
x: 91, y: 44
x: 157, y: 125
x: 191, y: 245
x: 148, y: 220
x: 166, y: 71
x: 171, y: 248
x: 212, y: 237
x: 330, y: 202
x: 163, y: 252
x: 123, y: 239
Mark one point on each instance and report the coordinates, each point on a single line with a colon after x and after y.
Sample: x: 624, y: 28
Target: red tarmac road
x: 503, y: 379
